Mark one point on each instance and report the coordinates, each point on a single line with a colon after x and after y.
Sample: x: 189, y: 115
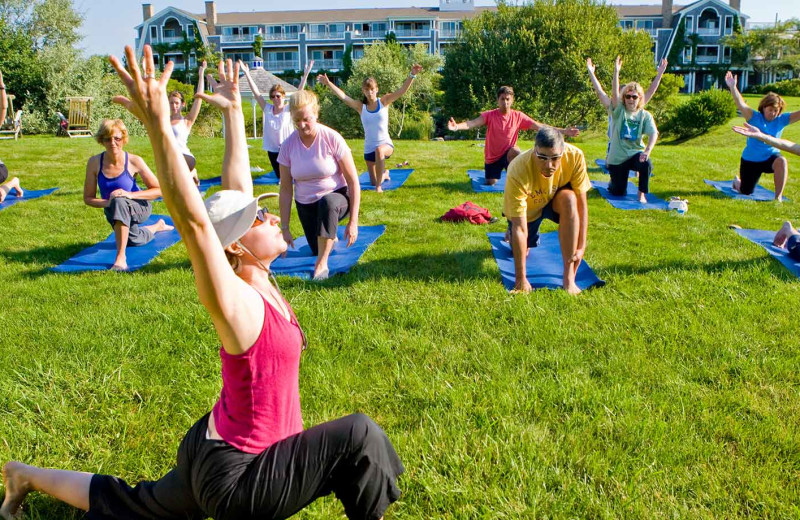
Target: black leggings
x: 273, y: 160
x: 619, y: 175
x: 350, y: 457
x: 321, y: 218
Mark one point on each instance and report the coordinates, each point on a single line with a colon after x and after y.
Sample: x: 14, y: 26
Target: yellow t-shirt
x: 528, y: 191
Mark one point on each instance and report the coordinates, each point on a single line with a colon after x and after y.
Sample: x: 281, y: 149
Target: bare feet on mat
x: 14, y: 183
x: 736, y: 184
x: 17, y: 488
x: 386, y: 177
x: 783, y: 234
x: 491, y: 182
x: 321, y: 274
x: 120, y: 266
x: 160, y: 226
x: 572, y: 288
x: 642, y: 198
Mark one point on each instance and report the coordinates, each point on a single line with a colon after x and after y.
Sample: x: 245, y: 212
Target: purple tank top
x: 123, y: 181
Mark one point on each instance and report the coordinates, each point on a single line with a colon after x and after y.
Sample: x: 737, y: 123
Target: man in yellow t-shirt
x: 549, y: 181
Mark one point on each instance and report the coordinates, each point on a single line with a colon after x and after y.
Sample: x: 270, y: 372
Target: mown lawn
x: 672, y: 392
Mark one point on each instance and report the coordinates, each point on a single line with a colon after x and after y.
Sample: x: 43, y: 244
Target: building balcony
x: 369, y: 34
x: 708, y: 31
x: 705, y: 60
x: 281, y: 65
x: 326, y: 35
x: 279, y: 37
x: 412, y: 33
x: 328, y: 64
x: 237, y: 38
x: 447, y: 33
x: 171, y: 39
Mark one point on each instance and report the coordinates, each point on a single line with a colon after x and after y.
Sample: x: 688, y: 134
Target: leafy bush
x: 702, y: 112
x: 666, y: 98
x: 418, y: 126
x: 789, y: 87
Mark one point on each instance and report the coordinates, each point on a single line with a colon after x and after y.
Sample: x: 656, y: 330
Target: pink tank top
x: 260, y: 399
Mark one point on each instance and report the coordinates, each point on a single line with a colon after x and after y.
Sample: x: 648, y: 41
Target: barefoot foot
x: 386, y: 177
x: 17, y: 487
x: 572, y: 289
x: 642, y: 198
x: 736, y: 184
x: 160, y: 226
x: 783, y: 234
x: 14, y: 183
x: 321, y: 273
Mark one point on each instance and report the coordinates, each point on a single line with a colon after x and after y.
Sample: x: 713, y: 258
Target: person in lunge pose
x: 759, y: 157
x: 318, y: 171
x: 782, y: 144
x: 6, y: 185
x: 550, y: 181
x: 249, y: 458
x: 277, y: 121
x: 788, y: 238
x: 374, y: 113
x: 125, y: 205
x: 182, y: 126
x: 502, y: 130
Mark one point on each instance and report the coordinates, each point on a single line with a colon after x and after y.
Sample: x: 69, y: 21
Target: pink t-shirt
x: 315, y: 169
x: 502, y: 131
x: 259, y: 404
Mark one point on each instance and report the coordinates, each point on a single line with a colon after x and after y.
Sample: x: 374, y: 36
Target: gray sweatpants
x: 131, y: 212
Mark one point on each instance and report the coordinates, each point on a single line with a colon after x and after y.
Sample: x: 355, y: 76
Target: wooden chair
x: 80, y: 111
x: 11, y: 128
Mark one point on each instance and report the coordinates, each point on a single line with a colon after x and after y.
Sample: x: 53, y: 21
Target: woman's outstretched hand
x: 226, y: 91
x: 147, y: 95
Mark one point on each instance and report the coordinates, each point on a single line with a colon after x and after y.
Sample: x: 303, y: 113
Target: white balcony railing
x: 370, y: 34
x: 281, y: 65
x: 705, y: 60
x: 237, y: 38
x: 172, y: 39
x: 412, y: 33
x: 449, y: 33
x: 328, y: 64
x: 708, y: 31
x: 282, y: 36
x: 326, y: 35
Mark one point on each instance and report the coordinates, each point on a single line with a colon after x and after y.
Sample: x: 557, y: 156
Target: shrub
x: 789, y: 87
x: 702, y: 112
x: 417, y: 126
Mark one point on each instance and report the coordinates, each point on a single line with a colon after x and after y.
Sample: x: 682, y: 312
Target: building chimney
x: 666, y: 13
x: 736, y: 4
x: 147, y: 12
x: 211, y: 17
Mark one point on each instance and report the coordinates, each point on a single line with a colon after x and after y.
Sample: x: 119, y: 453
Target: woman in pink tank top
x: 249, y: 457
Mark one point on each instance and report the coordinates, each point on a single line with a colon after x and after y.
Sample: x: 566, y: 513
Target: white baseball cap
x: 232, y: 213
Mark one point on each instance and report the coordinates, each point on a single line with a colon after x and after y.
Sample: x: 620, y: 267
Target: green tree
x: 162, y: 49
x: 347, y: 62
x: 678, y: 43
x: 258, y: 45
x: 540, y: 49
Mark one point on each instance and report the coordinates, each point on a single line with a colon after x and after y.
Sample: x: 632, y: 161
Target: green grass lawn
x: 672, y: 392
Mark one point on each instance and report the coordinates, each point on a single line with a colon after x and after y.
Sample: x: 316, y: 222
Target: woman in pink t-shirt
x: 250, y: 457
x: 317, y: 165
x: 502, y: 129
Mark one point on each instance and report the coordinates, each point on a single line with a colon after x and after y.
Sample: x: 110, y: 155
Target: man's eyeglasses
x: 631, y: 96
x: 548, y: 157
x: 116, y: 139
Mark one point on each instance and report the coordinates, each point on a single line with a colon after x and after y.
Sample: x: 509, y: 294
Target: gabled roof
x: 643, y: 10
x: 175, y: 10
x: 264, y: 81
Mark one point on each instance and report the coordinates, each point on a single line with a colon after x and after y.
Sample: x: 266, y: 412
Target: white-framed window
x: 153, y: 32
x: 726, y: 55
x: 690, y: 24
x: 644, y: 24
x: 707, y: 54
x: 626, y: 24
x: 190, y: 32
x: 687, y: 54
x: 246, y: 57
x: 291, y: 30
x: 728, y: 24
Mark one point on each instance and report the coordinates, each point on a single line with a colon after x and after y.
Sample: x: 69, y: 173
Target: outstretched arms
x: 3, y: 99
x: 306, y: 72
x: 598, y: 88
x: 651, y: 90
x: 339, y: 93
x: 191, y: 117
x: 253, y: 87
x: 783, y: 144
x: 745, y: 110
x: 615, y: 83
x: 391, y: 97
x: 465, y: 125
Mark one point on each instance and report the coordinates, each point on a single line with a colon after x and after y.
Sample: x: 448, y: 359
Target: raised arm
x: 465, y: 125
x: 3, y: 99
x: 354, y: 189
x: 253, y: 87
x: 306, y: 72
x: 598, y: 88
x: 745, y: 110
x: 783, y: 144
x: 651, y: 90
x: 285, y: 201
x: 236, y: 161
x: 201, y: 88
x: 615, y: 83
x: 390, y: 98
x: 234, y: 306
x: 339, y: 93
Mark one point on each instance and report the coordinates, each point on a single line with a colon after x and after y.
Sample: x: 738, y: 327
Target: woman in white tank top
x: 374, y: 114
x: 182, y: 126
x: 278, y: 123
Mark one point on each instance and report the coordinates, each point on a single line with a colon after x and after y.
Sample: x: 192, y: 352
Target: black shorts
x: 793, y: 245
x: 750, y: 172
x: 3, y: 173
x: 547, y: 213
x: 370, y: 157
x: 495, y: 170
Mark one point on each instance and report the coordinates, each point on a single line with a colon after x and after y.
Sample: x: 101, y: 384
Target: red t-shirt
x: 259, y: 404
x: 502, y: 132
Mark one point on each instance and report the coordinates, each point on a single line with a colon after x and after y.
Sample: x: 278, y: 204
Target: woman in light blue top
x: 759, y: 157
x: 374, y: 112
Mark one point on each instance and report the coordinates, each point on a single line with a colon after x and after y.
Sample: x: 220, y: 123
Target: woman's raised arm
x: 191, y: 117
x: 339, y: 93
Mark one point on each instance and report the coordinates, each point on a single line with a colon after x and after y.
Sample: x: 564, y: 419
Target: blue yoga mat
x: 760, y: 193
x: 100, y: 256
x: 478, y: 181
x: 544, y: 266
x: 11, y: 198
x: 300, y: 263
x: 764, y: 239
x: 629, y: 201
x: 398, y: 178
x: 267, y: 178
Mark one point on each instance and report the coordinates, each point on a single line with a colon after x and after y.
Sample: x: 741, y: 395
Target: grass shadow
x: 776, y: 268
x: 449, y: 186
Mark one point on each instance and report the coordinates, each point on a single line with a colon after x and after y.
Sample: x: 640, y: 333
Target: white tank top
x: 376, y: 127
x: 181, y: 133
x: 277, y: 128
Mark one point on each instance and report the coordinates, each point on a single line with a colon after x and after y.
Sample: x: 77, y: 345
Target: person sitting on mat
x: 630, y: 122
x: 606, y: 101
x: 550, y: 181
x: 249, y: 458
x: 182, y: 126
x: 277, y: 121
x: 317, y: 168
x: 502, y: 129
x: 374, y: 113
x: 126, y: 206
x: 758, y: 157
x: 788, y: 238
x: 13, y: 184
x: 782, y: 144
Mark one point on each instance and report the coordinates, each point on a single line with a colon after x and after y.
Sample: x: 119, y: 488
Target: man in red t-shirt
x: 502, y: 129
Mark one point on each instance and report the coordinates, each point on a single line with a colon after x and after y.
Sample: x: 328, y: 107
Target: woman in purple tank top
x: 250, y: 457
x: 125, y: 205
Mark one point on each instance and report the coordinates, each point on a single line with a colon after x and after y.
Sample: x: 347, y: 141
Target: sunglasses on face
x: 116, y: 139
x: 276, y: 96
x: 631, y: 96
x: 262, y: 215
x: 547, y: 157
